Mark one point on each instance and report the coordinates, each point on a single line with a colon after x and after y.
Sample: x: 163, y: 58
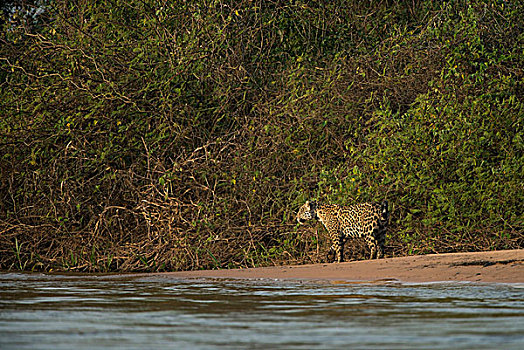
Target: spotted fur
x: 368, y: 220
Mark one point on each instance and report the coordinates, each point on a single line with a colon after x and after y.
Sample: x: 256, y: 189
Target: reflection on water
x: 88, y: 312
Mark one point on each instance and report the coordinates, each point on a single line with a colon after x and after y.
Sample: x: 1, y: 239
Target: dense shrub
x: 182, y: 135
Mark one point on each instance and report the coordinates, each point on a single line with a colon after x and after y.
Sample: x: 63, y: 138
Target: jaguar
x: 368, y: 220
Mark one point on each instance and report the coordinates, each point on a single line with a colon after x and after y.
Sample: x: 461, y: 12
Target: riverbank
x: 505, y: 266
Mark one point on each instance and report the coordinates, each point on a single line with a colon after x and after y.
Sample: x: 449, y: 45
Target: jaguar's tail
x: 384, y: 211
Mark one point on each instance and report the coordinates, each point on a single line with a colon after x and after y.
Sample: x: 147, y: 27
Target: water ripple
x: 97, y: 312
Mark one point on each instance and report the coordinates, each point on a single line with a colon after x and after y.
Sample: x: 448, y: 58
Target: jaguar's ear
x: 307, y: 203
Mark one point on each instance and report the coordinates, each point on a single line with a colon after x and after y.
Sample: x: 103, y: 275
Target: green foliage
x: 182, y: 135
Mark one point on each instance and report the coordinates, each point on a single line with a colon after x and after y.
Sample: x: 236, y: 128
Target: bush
x: 185, y: 135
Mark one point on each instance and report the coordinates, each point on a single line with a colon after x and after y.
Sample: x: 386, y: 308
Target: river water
x: 160, y: 312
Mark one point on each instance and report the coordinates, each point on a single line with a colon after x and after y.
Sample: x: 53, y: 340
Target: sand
x: 506, y: 266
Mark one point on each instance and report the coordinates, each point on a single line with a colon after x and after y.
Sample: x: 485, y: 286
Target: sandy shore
x: 506, y: 266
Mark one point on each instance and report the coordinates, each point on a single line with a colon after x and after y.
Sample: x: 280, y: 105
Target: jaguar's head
x: 307, y: 212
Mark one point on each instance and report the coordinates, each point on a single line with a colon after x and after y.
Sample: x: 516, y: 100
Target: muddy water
x: 114, y: 312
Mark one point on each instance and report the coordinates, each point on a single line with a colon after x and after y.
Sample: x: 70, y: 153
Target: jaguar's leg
x: 338, y: 245
x: 381, y: 241
x: 341, y: 249
x: 372, y: 244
